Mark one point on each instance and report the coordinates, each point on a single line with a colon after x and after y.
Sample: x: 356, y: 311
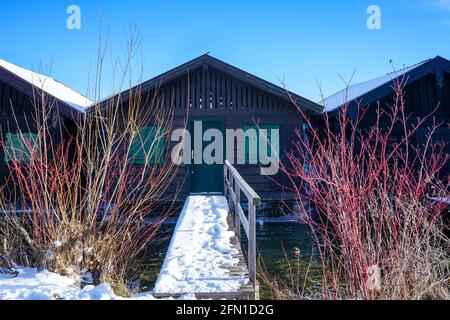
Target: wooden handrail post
x: 225, y: 178
x: 237, y: 219
x: 252, y: 241
x: 235, y: 185
x: 232, y: 184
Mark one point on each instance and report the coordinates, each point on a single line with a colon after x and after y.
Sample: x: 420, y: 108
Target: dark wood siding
x: 422, y: 97
x: 207, y: 92
x: 17, y: 111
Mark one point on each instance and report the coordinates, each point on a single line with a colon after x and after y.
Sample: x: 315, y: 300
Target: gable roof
x: 26, y: 81
x: 226, y: 68
x: 375, y: 89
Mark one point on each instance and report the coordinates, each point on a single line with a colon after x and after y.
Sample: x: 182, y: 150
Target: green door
x: 205, y: 178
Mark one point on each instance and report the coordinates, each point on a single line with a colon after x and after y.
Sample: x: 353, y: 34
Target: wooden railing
x: 234, y: 185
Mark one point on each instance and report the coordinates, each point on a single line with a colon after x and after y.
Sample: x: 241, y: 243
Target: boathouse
x: 21, y: 92
x: 426, y: 90
x: 220, y: 96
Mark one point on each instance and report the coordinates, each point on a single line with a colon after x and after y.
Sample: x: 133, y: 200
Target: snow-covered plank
x: 202, y: 258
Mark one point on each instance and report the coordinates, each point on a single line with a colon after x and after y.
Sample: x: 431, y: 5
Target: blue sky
x: 300, y: 41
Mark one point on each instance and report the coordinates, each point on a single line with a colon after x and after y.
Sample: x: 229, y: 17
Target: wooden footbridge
x: 205, y: 258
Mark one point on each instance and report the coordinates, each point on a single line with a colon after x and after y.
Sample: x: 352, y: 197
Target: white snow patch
x: 88, y: 251
x: 57, y: 244
x: 50, y: 86
x: 197, y: 261
x: 200, y: 251
x: 31, y: 284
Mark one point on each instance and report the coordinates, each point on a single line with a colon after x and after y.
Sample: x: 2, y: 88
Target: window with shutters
x: 148, y: 146
x: 19, y: 147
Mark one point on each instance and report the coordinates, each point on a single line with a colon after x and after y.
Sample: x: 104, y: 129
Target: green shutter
x: 17, y: 146
x: 148, y: 144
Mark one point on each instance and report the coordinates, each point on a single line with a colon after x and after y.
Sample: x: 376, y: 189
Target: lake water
x: 281, y: 246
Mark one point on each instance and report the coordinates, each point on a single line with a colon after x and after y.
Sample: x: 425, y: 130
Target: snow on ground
x: 200, y: 251
x: 198, y: 260
x: 31, y: 284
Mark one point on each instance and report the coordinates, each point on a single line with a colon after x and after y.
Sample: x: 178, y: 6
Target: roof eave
x: 413, y: 75
x: 219, y: 65
x: 29, y: 90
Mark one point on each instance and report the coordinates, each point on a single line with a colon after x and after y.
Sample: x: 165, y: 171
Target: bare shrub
x: 83, y: 202
x: 378, y: 233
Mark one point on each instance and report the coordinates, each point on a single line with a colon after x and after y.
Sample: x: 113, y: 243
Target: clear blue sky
x: 303, y: 41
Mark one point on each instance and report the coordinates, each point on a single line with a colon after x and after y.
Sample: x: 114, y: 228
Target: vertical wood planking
x: 178, y: 93
x: 203, y: 102
x: 416, y: 96
x: 208, y: 102
x: 214, y: 88
x: 2, y: 96
x: 233, y: 94
x: 6, y: 105
x: 229, y: 94
x: 445, y: 91
x: 222, y: 91
x: 244, y: 96
x: 183, y: 97
x: 197, y: 97
x: 423, y: 97
x: 238, y: 95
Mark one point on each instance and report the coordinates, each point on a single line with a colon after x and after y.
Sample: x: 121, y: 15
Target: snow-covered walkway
x: 201, y: 254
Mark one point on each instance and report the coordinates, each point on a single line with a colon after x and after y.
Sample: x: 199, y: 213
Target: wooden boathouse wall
x: 209, y: 89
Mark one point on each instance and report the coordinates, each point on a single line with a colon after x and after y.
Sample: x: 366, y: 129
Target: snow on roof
x: 50, y: 86
x: 356, y: 91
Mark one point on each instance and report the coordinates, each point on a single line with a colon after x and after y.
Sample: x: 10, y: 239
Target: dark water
x: 154, y: 258
x: 284, y: 249
x: 287, y: 255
